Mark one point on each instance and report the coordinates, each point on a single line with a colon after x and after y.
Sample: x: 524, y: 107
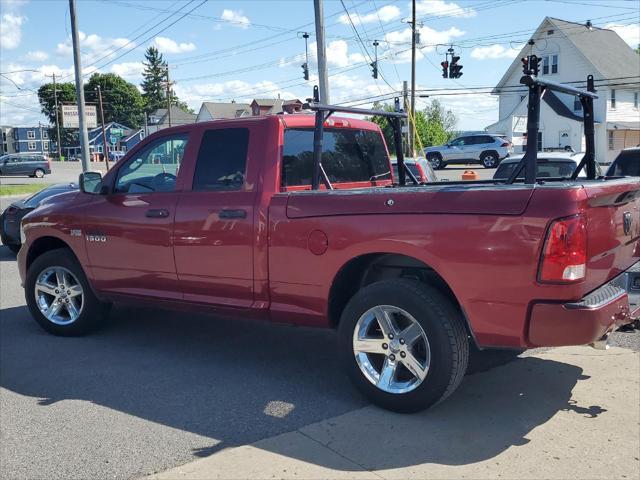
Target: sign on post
x: 113, y: 139
x: 70, y: 118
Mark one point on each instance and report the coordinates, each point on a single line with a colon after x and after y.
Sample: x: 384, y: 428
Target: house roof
x: 604, y: 49
x: 290, y: 102
x: 226, y: 110
x: 178, y: 117
x: 265, y: 102
x: 131, y: 135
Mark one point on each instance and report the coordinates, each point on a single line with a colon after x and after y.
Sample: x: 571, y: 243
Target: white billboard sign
x: 519, y: 124
x: 70, y: 116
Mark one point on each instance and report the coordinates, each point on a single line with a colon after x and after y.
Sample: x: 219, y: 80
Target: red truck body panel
x: 280, y: 259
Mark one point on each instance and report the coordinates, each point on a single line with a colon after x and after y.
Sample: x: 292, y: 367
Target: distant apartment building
x: 26, y: 140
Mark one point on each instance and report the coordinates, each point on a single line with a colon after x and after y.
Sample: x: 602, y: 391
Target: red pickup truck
x: 221, y: 216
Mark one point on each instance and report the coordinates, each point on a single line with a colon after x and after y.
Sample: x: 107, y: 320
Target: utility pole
x: 323, y: 78
x: 105, y: 148
x: 405, y: 95
x: 82, y: 120
x: 168, y: 96
x: 413, y: 81
x: 55, y: 102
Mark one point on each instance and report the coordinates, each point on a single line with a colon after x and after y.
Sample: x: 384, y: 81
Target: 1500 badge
x: 96, y: 238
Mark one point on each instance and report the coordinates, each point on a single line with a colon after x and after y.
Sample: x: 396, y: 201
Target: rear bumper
x: 586, y: 321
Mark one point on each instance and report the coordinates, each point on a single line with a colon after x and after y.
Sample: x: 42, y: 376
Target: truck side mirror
x: 90, y: 182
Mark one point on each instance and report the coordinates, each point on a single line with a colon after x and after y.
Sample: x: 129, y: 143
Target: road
x: 153, y: 390
x: 63, y: 172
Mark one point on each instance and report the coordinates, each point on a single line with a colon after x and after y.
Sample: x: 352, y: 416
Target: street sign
x: 113, y: 139
x: 118, y: 132
x: 70, y: 116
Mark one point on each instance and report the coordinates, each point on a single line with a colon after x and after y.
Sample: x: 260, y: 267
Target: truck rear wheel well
x: 43, y: 245
x: 367, y: 269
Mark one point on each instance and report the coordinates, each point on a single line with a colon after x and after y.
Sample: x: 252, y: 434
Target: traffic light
x: 374, y: 65
x: 530, y: 65
x: 445, y: 69
x: 455, y: 70
x: 305, y: 69
x: 534, y: 65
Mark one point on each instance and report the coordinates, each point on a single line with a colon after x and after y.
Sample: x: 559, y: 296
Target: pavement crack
x: 341, y: 455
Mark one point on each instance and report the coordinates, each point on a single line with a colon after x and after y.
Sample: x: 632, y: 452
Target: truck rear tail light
x: 564, y: 257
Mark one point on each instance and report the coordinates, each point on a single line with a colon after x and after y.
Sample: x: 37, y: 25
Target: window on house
x: 554, y: 63
x: 635, y: 99
x: 613, y: 99
x: 545, y: 65
x: 611, y: 139
x: 549, y: 64
x: 45, y: 134
x: 99, y: 148
x: 31, y: 145
x: 45, y: 145
x: 31, y: 134
x: 577, y: 104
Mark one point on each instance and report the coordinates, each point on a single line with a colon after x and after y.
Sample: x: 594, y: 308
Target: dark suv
x: 626, y: 164
x: 29, y: 164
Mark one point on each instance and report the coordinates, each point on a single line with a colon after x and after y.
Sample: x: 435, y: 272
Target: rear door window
x: 348, y: 155
x: 222, y: 160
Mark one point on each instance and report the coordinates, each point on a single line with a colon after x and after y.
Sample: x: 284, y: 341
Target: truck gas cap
x: 318, y: 242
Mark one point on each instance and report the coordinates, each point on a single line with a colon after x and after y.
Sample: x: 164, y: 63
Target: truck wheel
x: 59, y: 296
x: 403, y: 344
x: 38, y: 173
x: 489, y: 159
x: 435, y: 160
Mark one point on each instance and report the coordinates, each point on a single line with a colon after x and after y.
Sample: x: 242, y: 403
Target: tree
x: 385, y: 125
x: 435, y: 125
x: 122, y: 102
x: 66, y: 94
x: 155, y: 80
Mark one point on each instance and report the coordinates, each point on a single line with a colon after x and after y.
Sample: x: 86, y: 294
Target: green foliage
x: 155, y: 80
x: 122, y: 102
x: 434, y: 125
x: 385, y: 126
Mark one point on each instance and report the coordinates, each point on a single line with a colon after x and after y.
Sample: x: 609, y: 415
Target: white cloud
x: 37, y: 56
x: 95, y: 47
x: 337, y: 56
x: 443, y: 9
x: 235, y: 18
x: 629, y: 33
x: 494, y: 51
x: 128, y: 69
x: 166, y: 45
x: 384, y: 14
x: 399, y: 42
x: 11, y: 30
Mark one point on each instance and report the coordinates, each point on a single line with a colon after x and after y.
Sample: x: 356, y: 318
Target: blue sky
x: 233, y: 49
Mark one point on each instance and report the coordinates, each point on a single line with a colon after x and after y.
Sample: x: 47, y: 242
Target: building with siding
x: 569, y: 52
x: 26, y: 140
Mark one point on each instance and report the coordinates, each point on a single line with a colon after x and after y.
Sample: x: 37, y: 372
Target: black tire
x: 489, y: 159
x: 436, y: 161
x: 484, y: 360
x: 92, y: 312
x: 38, y: 173
x: 441, y: 322
x: 14, y: 248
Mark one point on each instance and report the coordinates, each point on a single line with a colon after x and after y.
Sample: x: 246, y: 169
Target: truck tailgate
x: 613, y: 226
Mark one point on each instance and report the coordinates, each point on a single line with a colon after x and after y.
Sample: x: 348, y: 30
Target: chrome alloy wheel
x: 59, y: 295
x: 391, y: 349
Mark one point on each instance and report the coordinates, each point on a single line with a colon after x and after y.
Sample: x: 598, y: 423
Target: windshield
x: 348, y: 155
x: 626, y: 165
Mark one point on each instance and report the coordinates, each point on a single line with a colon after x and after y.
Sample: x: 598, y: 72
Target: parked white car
x: 550, y: 165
